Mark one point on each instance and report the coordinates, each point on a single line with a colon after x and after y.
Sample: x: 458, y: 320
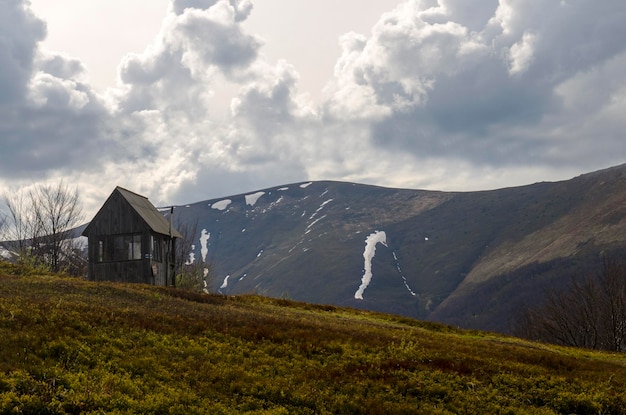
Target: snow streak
x: 204, y: 248
x: 308, y: 228
x: 320, y: 208
x: 368, y: 255
x: 406, y: 283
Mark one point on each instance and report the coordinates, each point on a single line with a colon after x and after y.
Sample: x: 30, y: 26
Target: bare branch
x: 590, y: 313
x: 41, y: 222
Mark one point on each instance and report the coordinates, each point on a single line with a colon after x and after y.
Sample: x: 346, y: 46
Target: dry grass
x: 70, y: 346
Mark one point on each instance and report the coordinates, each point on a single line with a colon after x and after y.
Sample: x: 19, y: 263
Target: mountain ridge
x: 307, y: 241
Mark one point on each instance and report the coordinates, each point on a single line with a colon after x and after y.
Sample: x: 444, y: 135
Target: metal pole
x: 171, y: 268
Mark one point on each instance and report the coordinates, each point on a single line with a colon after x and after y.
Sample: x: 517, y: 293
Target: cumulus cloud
x: 241, y: 8
x: 201, y: 44
x: 464, y: 85
x: 49, y: 119
x: 521, y: 54
x: 20, y: 31
x: 60, y: 65
x: 440, y: 94
x: 168, y: 101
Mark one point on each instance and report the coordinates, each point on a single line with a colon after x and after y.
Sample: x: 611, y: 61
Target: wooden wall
x: 117, y: 217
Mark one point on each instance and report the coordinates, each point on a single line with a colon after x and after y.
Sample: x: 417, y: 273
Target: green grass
x: 71, y: 346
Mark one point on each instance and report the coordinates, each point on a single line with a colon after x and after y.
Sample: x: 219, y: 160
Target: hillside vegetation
x: 71, y: 346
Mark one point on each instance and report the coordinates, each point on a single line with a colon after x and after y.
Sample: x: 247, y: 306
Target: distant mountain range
x: 471, y: 259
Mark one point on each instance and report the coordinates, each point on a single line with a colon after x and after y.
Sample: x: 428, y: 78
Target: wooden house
x: 131, y: 241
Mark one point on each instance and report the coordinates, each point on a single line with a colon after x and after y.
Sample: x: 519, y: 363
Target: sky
x: 187, y: 100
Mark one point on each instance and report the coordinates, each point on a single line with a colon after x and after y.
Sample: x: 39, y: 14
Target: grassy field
x: 71, y: 346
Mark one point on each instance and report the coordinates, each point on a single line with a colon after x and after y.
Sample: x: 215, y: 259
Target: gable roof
x: 146, y: 210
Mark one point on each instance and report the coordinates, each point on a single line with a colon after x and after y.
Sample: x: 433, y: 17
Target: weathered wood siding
x: 117, y: 217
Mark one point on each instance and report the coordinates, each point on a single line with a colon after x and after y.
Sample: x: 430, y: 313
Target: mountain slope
x: 70, y: 346
x: 469, y: 259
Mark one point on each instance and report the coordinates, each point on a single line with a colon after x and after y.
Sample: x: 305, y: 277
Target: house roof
x: 146, y: 210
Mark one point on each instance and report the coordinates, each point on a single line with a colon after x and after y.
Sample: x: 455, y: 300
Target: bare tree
x: 19, y: 229
x: 57, y: 213
x: 3, y: 231
x: 191, y: 273
x: 3, y: 225
x: 185, y: 245
x: 589, y: 313
x: 612, y: 289
x: 42, y: 221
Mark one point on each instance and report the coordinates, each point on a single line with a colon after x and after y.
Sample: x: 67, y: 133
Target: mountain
x: 470, y: 259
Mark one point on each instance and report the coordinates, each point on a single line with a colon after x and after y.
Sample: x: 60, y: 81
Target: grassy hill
x: 71, y: 346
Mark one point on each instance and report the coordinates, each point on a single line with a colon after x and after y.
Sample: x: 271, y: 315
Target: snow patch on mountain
x: 305, y: 185
x: 282, y: 189
x: 192, y: 256
x: 225, y: 283
x: 252, y: 198
x: 204, y: 247
x: 222, y: 204
x: 4, y: 253
x: 368, y: 254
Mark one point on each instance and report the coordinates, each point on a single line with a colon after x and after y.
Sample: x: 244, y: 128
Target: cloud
x: 473, y: 15
x: 49, y: 119
x: 521, y: 54
x: 20, y: 31
x: 440, y: 94
x: 445, y: 86
x: 168, y: 102
x: 197, y: 49
x: 60, y: 65
x: 436, y: 87
x: 256, y: 143
x: 214, y: 37
x: 241, y: 8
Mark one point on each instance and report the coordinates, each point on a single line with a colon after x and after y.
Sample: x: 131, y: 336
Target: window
x: 119, y: 248
x: 134, y: 247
